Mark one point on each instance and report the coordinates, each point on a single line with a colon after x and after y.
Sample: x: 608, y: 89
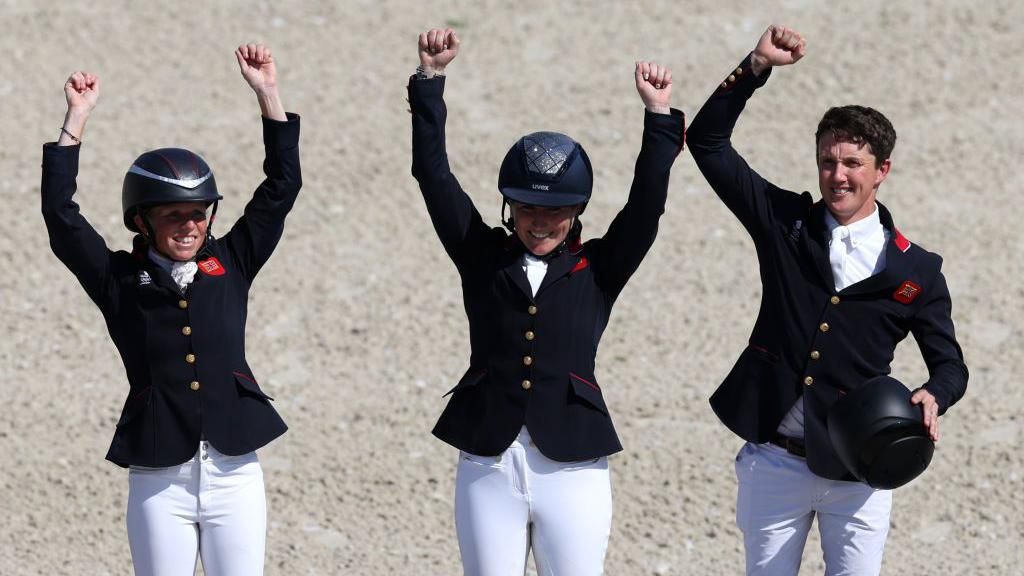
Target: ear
x: 882, y: 172
x: 140, y: 225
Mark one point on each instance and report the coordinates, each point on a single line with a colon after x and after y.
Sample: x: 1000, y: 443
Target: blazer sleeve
x: 747, y: 195
x: 456, y: 220
x: 932, y: 327
x: 255, y: 235
x: 633, y: 230
x: 73, y: 240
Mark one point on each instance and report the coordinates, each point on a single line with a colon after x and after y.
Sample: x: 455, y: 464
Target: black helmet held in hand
x: 546, y: 169
x: 879, y: 435
x: 166, y: 176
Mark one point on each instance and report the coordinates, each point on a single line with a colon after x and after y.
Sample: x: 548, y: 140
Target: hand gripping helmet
x: 166, y: 176
x: 879, y: 435
x: 546, y: 169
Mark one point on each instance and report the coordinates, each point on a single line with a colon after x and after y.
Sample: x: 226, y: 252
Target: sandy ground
x: 356, y: 324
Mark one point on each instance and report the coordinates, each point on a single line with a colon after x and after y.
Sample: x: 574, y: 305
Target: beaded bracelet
x: 70, y: 135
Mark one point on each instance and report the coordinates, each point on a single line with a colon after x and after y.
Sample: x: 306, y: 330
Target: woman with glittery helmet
x: 528, y: 416
x: 175, y: 307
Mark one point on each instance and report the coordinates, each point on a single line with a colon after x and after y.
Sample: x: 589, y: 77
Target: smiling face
x: 540, y: 228
x: 848, y: 176
x: 179, y: 229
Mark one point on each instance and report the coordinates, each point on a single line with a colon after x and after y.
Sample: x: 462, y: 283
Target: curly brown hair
x: 859, y: 124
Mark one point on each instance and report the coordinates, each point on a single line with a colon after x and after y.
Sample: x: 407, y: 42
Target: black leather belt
x: 794, y: 446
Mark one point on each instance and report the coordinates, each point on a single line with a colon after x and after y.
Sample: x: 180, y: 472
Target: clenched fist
x: 778, y: 46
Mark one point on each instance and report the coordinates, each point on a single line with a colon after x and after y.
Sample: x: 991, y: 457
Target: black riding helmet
x: 546, y: 169
x: 879, y: 435
x: 166, y: 176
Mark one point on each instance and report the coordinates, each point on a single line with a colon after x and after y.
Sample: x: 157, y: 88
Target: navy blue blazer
x: 184, y: 354
x: 811, y: 342
x: 532, y: 357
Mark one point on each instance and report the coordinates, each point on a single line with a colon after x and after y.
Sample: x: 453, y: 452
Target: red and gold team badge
x: 906, y: 292
x: 211, y: 267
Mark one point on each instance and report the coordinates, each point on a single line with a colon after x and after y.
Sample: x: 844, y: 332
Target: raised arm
x: 256, y: 63
x: 744, y: 191
x: 72, y: 239
x: 455, y: 219
x: 634, y: 228
x: 255, y: 235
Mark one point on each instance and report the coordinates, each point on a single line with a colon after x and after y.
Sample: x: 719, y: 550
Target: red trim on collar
x: 580, y: 265
x: 901, y: 241
x: 576, y: 247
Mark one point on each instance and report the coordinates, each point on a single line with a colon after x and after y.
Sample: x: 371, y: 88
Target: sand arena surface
x: 356, y: 324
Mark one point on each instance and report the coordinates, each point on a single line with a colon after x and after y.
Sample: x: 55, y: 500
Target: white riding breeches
x: 212, y: 506
x: 777, y: 500
x: 505, y: 505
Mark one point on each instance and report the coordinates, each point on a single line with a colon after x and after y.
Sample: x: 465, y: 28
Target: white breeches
x: 778, y: 498
x: 212, y: 506
x: 505, y: 505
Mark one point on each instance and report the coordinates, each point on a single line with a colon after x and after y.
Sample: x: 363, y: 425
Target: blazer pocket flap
x: 587, y: 389
x: 472, y: 377
x: 248, y: 384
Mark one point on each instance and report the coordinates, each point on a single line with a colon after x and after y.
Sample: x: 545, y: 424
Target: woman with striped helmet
x: 528, y: 416
x: 175, y: 307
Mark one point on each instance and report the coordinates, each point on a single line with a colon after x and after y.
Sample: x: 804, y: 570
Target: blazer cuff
x: 61, y: 159
x: 671, y: 126
x: 281, y: 134
x: 742, y: 78
x: 424, y: 89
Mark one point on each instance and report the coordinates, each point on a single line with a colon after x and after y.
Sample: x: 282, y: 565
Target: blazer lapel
x: 557, y: 267
x: 160, y: 277
x: 513, y: 268
x: 898, y: 260
x: 815, y: 242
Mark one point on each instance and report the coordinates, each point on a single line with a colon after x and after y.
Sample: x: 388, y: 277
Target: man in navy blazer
x: 841, y: 288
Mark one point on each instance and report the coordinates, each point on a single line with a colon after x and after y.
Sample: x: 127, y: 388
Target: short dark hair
x: 859, y: 124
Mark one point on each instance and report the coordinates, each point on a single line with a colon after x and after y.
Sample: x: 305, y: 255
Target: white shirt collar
x: 858, y: 232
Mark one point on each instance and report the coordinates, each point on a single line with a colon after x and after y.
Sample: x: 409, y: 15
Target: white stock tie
x: 183, y: 273
x: 837, y: 252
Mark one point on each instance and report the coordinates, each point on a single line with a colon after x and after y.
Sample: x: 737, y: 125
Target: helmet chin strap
x: 150, y: 234
x: 507, y: 222
x: 575, y: 230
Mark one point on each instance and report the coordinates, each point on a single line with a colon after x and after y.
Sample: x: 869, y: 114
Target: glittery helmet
x: 546, y: 169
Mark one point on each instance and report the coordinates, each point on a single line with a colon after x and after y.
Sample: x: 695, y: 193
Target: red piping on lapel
x: 240, y: 375
x: 901, y: 241
x: 579, y: 265
x: 587, y: 382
